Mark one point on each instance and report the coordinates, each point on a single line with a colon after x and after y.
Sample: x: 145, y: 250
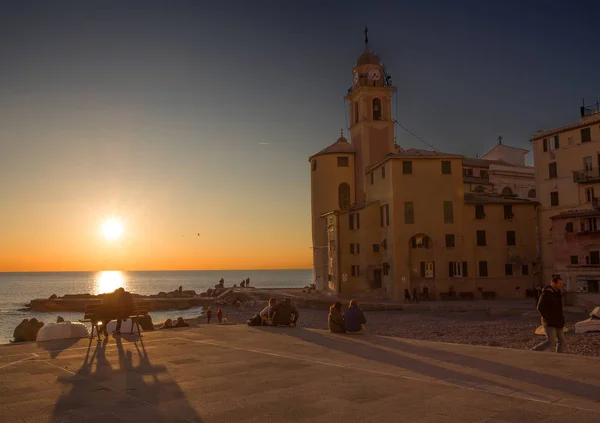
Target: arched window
x: 420, y: 241
x: 479, y: 188
x: 376, y: 109
x: 356, y: 112
x: 507, y: 191
x: 344, y: 195
x: 531, y: 193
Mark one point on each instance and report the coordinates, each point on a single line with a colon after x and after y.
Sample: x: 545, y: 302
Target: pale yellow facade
x: 409, y: 224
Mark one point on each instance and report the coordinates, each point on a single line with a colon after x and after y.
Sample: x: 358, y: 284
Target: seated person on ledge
x: 264, y: 314
x: 284, y: 314
x: 336, y: 320
x: 355, y: 318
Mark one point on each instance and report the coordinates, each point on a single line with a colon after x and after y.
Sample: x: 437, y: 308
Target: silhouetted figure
x: 406, y: 296
x: 425, y: 293
x: 242, y: 283
x: 415, y: 296
x: 550, y: 308
x: 284, y: 314
x: 354, y: 318
x: 208, y: 315
x: 180, y: 289
x: 247, y: 282
x: 220, y: 315
x: 335, y: 319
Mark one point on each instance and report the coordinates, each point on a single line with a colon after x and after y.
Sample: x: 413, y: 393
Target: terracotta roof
x: 486, y: 198
x: 340, y: 146
x: 368, y: 58
x: 580, y: 124
x: 476, y: 180
x: 468, y: 161
x: 418, y: 153
x: 577, y: 213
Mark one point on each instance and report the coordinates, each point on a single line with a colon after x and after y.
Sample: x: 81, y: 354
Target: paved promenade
x: 241, y: 374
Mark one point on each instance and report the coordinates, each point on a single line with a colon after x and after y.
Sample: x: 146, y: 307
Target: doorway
x: 377, y: 279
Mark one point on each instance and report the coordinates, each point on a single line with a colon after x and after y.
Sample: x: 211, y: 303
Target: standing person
x: 550, y: 307
x: 425, y: 293
x: 208, y: 314
x: 415, y: 296
x: 406, y: 296
x: 220, y: 316
x: 336, y: 320
x: 355, y: 318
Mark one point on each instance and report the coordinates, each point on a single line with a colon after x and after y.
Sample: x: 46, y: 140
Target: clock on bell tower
x: 372, y: 126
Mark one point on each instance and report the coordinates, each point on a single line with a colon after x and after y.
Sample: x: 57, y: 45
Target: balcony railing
x: 583, y: 176
x: 591, y: 109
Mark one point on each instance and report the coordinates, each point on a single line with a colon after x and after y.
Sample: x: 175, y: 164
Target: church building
x: 386, y: 220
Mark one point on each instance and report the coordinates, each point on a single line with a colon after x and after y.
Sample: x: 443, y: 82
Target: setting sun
x: 112, y: 229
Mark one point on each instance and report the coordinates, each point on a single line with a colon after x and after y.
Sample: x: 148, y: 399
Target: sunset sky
x: 182, y: 118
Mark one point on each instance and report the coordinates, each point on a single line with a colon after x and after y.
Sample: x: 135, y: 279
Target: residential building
x: 386, y: 219
x: 567, y: 169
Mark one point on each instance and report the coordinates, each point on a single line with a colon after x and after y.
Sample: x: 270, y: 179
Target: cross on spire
x: 366, y: 35
x: 341, y: 132
x: 500, y: 139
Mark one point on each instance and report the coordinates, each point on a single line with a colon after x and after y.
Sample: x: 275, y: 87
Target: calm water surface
x: 17, y: 289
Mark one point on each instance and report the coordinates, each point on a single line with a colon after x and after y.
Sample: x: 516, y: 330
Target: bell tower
x: 370, y: 104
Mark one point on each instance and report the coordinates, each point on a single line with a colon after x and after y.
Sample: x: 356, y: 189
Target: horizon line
x: 150, y: 270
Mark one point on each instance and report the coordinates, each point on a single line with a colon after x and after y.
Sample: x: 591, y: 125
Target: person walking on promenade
x: 407, y: 296
x: 208, y: 314
x: 220, y: 315
x: 550, y: 307
x: 415, y: 296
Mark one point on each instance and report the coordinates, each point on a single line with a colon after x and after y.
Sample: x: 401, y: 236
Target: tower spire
x: 366, y: 37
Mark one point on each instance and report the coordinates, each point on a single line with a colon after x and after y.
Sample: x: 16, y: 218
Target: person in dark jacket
x: 550, y: 307
x: 284, y: 314
x: 336, y: 320
x: 355, y: 318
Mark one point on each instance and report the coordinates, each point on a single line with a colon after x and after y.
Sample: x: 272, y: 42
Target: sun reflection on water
x: 109, y: 280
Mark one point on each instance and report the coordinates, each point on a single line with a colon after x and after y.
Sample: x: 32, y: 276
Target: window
x: 574, y: 259
x: 356, y: 112
x: 508, y: 269
x: 448, y: 212
x: 384, y: 214
x: 479, y: 211
x: 483, y: 173
x: 372, y: 178
x: 569, y: 227
x: 508, y: 212
x: 382, y: 172
x: 386, y: 269
x: 552, y: 172
x: 592, y: 224
x: 582, y: 226
x: 342, y: 161
x: 355, y: 270
x: 479, y: 188
x: 570, y: 141
x: 525, y: 269
x: 376, y: 109
x: 554, y: 142
x: 351, y: 248
x: 449, y: 240
x: 586, y: 135
x: 384, y: 244
x: 594, y: 257
x: 468, y: 172
x: 375, y: 248
x: 427, y: 269
x: 407, y: 167
x: 481, y: 239
x: 357, y: 248
x: 420, y: 241
x: 446, y: 167
x: 314, y: 165
x: 587, y: 163
x: 354, y: 221
x: 589, y: 194
x: 593, y: 286
x: 545, y: 144
x: 330, y: 277
x: 507, y: 191
x: 344, y: 196
x: 483, y: 270
x: 409, y: 212
x: 554, y: 198
x: 531, y: 193
x: 511, y: 238
x: 457, y: 269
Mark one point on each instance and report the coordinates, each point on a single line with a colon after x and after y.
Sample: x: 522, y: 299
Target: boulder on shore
x: 27, y: 330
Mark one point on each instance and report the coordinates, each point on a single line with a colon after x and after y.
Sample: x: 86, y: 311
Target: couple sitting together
x: 352, y: 321
x: 282, y: 314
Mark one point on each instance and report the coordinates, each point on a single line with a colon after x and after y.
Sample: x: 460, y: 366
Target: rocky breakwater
x: 174, y: 300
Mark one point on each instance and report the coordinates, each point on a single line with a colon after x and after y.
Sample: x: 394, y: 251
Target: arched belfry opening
x: 377, y: 109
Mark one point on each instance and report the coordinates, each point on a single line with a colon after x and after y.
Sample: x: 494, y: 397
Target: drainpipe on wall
x: 338, y: 249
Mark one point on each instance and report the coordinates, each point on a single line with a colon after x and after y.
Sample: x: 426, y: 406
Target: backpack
x: 255, y: 320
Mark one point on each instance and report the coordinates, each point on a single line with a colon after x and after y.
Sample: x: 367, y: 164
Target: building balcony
x: 586, y: 176
x: 592, y: 109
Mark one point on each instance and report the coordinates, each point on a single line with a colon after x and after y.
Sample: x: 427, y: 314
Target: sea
x: 17, y: 289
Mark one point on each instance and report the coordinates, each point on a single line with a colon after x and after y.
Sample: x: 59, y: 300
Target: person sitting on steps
x: 336, y: 319
x: 264, y: 314
x: 284, y: 314
x: 355, y: 318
